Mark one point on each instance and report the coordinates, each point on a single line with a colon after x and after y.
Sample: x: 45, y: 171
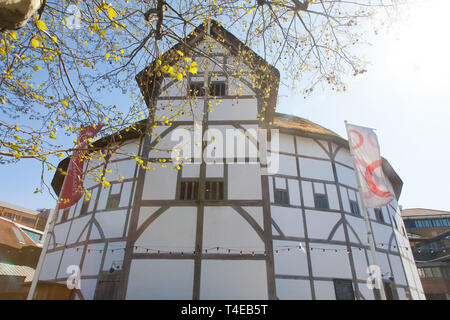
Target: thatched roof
x: 297, y: 125
x: 300, y: 126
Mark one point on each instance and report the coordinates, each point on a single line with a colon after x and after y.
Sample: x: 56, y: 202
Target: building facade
x: 277, y: 217
x: 21, y: 232
x: 429, y: 235
x: 30, y: 221
x: 19, y: 255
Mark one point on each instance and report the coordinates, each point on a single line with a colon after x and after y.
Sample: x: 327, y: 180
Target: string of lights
x: 218, y: 249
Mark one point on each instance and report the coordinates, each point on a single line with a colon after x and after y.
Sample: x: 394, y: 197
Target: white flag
x: 368, y: 166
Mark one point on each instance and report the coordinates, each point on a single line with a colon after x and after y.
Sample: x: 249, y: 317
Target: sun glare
x: 419, y: 45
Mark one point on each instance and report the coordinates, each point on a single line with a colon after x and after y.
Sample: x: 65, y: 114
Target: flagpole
x: 366, y: 220
x: 47, y: 235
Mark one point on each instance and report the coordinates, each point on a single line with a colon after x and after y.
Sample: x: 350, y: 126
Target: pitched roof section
x: 12, y: 236
x: 16, y: 271
x: 270, y: 76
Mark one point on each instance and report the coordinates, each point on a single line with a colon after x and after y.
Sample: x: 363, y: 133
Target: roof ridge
x: 17, y: 207
x: 294, y: 117
x: 420, y: 208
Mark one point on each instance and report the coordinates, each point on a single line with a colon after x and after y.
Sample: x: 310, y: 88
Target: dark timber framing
x: 330, y: 144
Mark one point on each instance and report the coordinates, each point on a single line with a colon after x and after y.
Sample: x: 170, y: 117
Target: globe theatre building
x: 227, y: 228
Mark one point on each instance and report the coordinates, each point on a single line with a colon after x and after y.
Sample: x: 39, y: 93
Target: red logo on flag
x: 73, y: 183
x: 368, y: 166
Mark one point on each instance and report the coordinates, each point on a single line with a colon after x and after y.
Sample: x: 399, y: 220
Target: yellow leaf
x: 41, y: 25
x: 107, y: 56
x: 193, y: 70
x: 179, y: 76
x: 64, y: 102
x: 180, y: 53
x: 34, y: 43
x: 112, y: 13
x: 55, y: 40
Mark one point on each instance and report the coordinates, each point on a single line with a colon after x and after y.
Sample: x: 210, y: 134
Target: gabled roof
x: 148, y: 80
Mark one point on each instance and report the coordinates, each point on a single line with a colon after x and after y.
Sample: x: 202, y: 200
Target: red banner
x: 73, y: 183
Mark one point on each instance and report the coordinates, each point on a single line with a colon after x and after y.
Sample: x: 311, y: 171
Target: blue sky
x: 405, y: 95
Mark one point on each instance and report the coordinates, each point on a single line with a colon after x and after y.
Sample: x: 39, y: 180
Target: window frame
x: 84, y: 207
x: 184, y: 189
x: 379, y: 217
x: 354, y: 204
x: 110, y: 205
x: 276, y: 199
x: 201, y: 89
x: 212, y: 88
x: 349, y: 284
x: 219, y: 185
x: 324, y: 197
